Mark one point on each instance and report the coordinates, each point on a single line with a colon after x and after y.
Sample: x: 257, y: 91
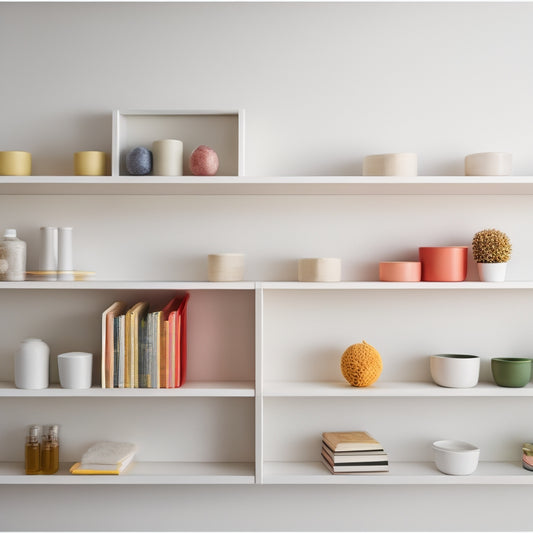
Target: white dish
x: 455, y: 457
x: 460, y: 371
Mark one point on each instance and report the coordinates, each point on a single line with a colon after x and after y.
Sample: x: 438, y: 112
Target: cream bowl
x: 489, y: 164
x: 455, y: 457
x: 460, y: 371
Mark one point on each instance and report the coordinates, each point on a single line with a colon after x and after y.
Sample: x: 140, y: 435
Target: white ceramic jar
x: 32, y: 362
x: 75, y: 370
x: 14, y: 252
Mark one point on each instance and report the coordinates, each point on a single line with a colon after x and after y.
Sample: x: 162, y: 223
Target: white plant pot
x: 491, y: 271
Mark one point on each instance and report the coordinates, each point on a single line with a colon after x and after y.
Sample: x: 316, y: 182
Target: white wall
x: 322, y: 85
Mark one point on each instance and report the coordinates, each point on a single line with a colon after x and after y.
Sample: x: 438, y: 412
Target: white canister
x: 167, y: 157
x: 32, y: 362
x: 48, y: 252
x: 225, y: 267
x: 64, y: 254
x: 75, y: 370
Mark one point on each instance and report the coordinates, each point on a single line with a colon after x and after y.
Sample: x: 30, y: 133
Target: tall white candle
x: 167, y: 157
x: 64, y: 254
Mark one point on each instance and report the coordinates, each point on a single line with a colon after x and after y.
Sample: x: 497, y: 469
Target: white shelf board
x: 291, y: 389
x: 241, y: 389
x: 487, y: 473
x: 387, y: 285
x: 278, y: 185
x: 147, y: 473
x: 130, y: 285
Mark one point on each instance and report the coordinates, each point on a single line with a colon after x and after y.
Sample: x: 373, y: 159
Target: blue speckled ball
x: 139, y: 161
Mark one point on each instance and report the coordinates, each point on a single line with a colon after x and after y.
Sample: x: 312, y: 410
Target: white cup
x: 75, y: 370
x: 32, y: 362
x: 167, y: 157
x: 225, y: 267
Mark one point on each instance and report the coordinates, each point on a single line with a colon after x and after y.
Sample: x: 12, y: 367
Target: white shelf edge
x: 388, y: 285
x: 276, y: 185
x: 130, y: 285
x: 236, y: 389
x: 280, y: 389
x: 139, y: 473
x: 407, y: 473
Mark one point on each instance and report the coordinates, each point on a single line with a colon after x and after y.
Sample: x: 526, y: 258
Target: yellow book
x: 131, y: 355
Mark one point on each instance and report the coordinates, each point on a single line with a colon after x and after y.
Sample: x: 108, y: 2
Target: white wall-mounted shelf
x: 389, y: 390
x: 279, y: 185
x: 130, y: 285
x: 222, y: 130
x: 139, y: 473
x: 188, y: 390
x: 425, y: 473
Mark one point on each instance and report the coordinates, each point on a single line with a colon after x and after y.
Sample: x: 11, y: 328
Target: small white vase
x: 491, y: 271
x: 32, y: 365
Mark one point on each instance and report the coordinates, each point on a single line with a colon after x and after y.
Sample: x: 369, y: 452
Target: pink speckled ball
x: 203, y: 161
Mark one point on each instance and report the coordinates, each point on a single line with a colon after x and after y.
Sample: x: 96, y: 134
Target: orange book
x: 181, y: 342
x: 167, y: 369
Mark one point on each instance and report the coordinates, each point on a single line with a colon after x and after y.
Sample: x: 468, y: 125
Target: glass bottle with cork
x: 50, y: 450
x: 32, y: 455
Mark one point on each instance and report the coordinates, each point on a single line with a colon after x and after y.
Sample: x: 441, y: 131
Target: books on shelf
x: 144, y: 348
x: 353, y: 452
x: 105, y: 458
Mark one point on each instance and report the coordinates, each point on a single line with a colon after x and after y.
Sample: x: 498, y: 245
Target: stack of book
x: 353, y: 452
x: 143, y: 348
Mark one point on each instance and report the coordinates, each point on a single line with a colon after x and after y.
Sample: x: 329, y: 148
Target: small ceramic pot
x: 32, y: 365
x: 75, y: 370
x: 511, y: 371
x: 456, y: 458
x: 489, y: 164
x: 494, y: 272
x: 325, y: 269
x: 444, y: 263
x: 15, y: 163
x: 458, y: 371
x: 402, y: 164
x: 225, y: 267
x: 90, y: 163
x: 400, y: 271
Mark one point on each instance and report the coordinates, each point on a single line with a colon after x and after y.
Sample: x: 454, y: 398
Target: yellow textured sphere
x: 361, y: 365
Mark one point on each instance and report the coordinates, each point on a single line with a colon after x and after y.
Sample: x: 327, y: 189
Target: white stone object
x: 225, y: 267
x: 15, y: 254
x: 319, y: 269
x: 400, y: 164
x: 32, y: 362
x: 489, y: 164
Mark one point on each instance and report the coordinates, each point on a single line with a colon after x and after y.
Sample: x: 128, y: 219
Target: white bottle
x: 15, y: 254
x: 64, y: 254
x: 32, y: 362
x: 48, y: 252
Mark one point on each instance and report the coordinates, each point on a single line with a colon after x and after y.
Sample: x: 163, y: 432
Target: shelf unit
x: 272, y: 309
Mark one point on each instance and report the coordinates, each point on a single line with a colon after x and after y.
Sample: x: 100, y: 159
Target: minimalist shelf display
x: 221, y: 130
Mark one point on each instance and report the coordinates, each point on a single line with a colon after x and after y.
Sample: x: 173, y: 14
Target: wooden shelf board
x: 487, y: 473
x: 388, y: 389
x: 242, y: 389
x: 282, y: 185
x: 385, y: 285
x: 141, y: 473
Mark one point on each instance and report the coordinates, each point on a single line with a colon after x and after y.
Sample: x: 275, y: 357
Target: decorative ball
x: 361, y: 365
x: 203, y: 161
x: 139, y: 161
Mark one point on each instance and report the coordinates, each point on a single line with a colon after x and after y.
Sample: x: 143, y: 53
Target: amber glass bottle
x: 32, y: 457
x: 50, y: 450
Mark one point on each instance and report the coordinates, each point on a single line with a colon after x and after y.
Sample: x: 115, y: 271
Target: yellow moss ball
x: 361, y: 365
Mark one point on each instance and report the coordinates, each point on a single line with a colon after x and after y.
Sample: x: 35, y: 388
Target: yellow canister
x: 90, y: 163
x: 15, y: 163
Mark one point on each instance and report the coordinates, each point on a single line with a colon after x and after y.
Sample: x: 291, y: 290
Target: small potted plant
x: 492, y: 250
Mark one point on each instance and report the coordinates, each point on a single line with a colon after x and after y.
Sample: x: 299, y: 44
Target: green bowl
x: 511, y: 371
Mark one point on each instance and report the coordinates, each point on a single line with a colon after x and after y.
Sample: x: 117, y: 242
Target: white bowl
x: 400, y: 164
x: 459, y: 371
x: 455, y: 457
x: 489, y: 164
